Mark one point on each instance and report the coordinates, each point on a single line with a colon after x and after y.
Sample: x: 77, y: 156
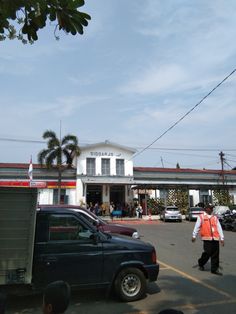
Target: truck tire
x: 130, y: 284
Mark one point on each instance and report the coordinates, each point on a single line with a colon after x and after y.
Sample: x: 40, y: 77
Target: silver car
x: 171, y: 213
x: 193, y: 213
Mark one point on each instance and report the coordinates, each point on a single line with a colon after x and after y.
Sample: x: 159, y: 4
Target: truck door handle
x: 50, y: 260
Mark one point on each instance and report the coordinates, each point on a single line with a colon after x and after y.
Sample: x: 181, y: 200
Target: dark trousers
x: 211, y: 250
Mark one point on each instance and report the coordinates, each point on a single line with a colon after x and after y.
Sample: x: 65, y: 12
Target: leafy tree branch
x: 22, y: 19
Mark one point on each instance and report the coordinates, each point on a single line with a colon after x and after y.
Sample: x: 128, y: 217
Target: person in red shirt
x: 211, y: 234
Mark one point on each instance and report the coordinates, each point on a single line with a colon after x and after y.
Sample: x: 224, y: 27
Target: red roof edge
x: 182, y: 170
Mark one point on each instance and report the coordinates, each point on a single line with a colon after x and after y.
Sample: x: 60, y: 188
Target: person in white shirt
x: 211, y: 233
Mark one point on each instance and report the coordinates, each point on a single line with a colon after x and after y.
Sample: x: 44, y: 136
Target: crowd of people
x: 126, y: 209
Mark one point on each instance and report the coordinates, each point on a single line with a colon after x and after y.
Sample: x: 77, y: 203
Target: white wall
x: 195, y: 194
x: 71, y: 196
x: 233, y: 193
x: 79, y: 197
x: 46, y: 196
x: 105, y: 151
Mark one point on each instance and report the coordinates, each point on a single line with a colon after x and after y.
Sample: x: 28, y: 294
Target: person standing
x: 139, y: 211
x: 211, y: 234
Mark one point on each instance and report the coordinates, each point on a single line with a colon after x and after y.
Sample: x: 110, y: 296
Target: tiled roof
x: 22, y: 166
x: 182, y: 170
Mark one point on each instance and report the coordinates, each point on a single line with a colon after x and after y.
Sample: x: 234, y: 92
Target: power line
x: 228, y: 164
x: 231, y: 160
x: 230, y: 155
x: 186, y: 114
x: 190, y: 149
x: 184, y: 154
x: 183, y: 165
x: 8, y: 139
x: 21, y: 140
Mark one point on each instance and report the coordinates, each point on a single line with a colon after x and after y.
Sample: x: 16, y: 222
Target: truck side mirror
x: 95, y: 238
x: 96, y: 223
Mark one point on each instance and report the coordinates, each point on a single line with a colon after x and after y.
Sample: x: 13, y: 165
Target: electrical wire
x: 191, y: 155
x: 21, y: 140
x: 186, y: 114
x: 183, y: 165
x: 191, y: 149
x: 230, y: 155
x: 7, y: 139
x: 231, y: 160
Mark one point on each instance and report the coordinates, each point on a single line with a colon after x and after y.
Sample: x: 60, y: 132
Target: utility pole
x: 162, y: 162
x: 222, y: 166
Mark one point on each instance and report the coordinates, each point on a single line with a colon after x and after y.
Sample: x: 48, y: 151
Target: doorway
x: 94, y: 194
x: 117, y: 195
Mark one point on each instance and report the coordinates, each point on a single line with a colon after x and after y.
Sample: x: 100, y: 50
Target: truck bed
x: 17, y: 226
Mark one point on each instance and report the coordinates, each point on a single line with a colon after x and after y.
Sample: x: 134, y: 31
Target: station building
x: 104, y: 173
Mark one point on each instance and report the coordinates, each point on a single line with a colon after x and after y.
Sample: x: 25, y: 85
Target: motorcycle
x: 228, y: 221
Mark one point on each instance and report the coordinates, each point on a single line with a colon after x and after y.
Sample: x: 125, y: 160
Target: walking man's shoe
x: 201, y: 268
x: 216, y: 272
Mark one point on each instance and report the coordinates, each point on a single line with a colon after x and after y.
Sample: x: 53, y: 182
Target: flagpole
x: 30, y: 172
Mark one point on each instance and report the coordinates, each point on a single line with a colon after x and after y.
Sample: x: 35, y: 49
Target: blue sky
x: 138, y: 68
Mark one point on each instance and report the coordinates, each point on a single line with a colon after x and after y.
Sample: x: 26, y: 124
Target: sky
x: 139, y: 67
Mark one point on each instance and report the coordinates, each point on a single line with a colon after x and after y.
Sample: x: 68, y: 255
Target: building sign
x: 38, y: 184
x: 97, y: 154
x: 106, y: 154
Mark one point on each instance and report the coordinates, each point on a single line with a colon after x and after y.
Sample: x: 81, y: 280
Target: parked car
x: 171, y: 213
x: 101, y: 224
x: 193, y: 213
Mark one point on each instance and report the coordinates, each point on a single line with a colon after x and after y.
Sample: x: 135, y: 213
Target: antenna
x: 60, y: 131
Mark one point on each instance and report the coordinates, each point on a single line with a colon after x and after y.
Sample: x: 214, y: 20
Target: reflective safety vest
x: 209, y: 230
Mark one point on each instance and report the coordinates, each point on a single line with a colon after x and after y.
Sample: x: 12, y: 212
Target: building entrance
x: 94, y: 194
x: 117, y: 195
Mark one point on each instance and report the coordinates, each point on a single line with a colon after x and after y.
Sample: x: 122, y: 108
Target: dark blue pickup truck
x: 67, y: 247
x: 38, y: 247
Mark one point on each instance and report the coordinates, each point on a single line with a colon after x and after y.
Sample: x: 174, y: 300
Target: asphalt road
x: 180, y: 284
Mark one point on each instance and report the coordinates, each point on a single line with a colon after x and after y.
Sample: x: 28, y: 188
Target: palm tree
x: 59, y: 152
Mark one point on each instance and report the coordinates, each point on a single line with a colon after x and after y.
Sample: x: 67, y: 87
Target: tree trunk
x: 59, y: 185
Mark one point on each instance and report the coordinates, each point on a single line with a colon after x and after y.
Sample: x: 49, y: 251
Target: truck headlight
x: 135, y: 235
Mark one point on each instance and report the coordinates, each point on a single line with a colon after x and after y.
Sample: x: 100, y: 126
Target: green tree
x: 222, y: 197
x: 22, y: 19
x: 179, y: 198
x: 59, y: 152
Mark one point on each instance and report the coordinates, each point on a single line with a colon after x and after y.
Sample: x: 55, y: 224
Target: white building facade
x: 105, y: 174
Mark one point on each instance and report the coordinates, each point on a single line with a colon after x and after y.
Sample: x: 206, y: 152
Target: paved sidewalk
x: 135, y: 220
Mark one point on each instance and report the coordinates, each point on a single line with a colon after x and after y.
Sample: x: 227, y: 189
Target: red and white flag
x: 30, y: 171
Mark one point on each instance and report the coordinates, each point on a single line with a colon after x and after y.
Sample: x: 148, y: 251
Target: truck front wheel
x: 130, y: 284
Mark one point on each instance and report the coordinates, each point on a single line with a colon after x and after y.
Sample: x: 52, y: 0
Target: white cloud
x: 156, y: 79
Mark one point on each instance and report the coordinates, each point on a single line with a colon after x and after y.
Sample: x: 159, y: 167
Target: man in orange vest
x: 211, y: 234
